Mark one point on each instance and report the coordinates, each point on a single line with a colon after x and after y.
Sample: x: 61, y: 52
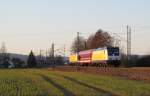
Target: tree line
x: 7, y: 61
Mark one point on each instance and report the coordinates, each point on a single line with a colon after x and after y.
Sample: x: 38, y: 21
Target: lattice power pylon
x: 128, y: 42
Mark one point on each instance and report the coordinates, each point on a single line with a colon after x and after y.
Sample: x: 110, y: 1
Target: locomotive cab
x: 113, y: 56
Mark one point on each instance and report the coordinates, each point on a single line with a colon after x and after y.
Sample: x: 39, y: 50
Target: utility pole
x: 49, y: 56
x: 78, y: 45
x: 85, y: 45
x: 64, y: 50
x: 78, y: 49
x: 128, y: 43
x: 78, y: 42
x: 40, y: 58
x: 46, y: 58
x: 53, y: 55
x: 64, y: 57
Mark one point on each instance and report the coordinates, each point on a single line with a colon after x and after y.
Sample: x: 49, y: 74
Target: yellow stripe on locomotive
x: 100, y: 55
x: 73, y: 58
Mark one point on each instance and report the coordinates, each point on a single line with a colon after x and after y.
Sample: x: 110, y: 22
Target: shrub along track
x: 134, y: 73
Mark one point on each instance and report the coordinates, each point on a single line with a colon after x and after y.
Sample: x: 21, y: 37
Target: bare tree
x: 89, y: 41
x: 4, y: 56
x: 100, y: 39
x: 79, y: 44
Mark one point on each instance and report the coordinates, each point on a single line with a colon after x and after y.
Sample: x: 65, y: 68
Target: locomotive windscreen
x: 113, y: 51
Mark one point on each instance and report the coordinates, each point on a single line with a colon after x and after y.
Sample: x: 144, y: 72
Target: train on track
x: 100, y: 57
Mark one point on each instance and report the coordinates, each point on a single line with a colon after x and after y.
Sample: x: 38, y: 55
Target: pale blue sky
x: 35, y: 24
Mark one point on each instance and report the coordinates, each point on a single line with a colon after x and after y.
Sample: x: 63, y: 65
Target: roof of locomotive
x: 89, y: 51
x: 105, y: 48
x: 86, y: 51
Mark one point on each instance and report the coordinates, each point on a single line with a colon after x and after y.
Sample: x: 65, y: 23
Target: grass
x: 42, y: 82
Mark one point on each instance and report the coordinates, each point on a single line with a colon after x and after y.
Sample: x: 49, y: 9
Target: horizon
x: 36, y: 24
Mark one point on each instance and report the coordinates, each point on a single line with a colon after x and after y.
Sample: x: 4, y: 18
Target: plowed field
x: 135, y: 73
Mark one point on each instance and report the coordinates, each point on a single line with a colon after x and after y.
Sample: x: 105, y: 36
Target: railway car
x: 73, y: 58
x: 84, y: 57
x: 97, y: 57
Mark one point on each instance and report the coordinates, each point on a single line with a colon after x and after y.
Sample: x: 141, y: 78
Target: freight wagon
x: 107, y: 56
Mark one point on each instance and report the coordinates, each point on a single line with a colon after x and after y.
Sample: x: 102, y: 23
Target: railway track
x: 134, y: 73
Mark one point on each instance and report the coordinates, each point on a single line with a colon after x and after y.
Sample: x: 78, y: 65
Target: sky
x: 35, y: 24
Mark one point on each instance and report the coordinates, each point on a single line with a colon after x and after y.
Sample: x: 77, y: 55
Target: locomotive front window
x: 113, y: 51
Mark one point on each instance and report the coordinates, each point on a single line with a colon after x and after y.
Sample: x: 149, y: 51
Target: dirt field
x: 129, y: 73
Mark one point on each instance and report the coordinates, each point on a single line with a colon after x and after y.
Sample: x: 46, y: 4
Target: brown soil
x: 135, y: 73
